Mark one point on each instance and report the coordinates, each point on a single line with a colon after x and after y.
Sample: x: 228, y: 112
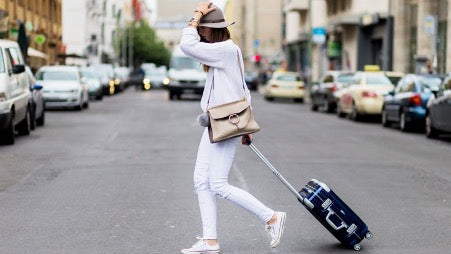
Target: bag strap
x: 242, y: 78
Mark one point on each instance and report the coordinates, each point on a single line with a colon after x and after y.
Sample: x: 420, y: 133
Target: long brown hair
x: 217, y: 35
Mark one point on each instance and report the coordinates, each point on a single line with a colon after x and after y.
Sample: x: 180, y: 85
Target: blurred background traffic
x: 390, y: 59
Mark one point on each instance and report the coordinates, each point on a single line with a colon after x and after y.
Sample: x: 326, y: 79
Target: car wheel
x: 385, y: 121
x: 269, y: 98
x: 355, y: 113
x: 314, y: 107
x: 32, y: 116
x: 24, y: 126
x: 299, y: 100
x: 403, y: 124
x: 7, y: 136
x: 431, y: 132
x: 41, y: 120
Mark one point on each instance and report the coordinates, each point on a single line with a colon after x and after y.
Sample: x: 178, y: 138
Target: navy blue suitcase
x: 326, y: 207
x: 334, y: 214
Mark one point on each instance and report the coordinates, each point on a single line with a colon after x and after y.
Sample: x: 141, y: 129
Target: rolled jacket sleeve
x: 211, y: 54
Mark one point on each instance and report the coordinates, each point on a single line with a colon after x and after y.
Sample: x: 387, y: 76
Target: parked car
x: 322, y: 94
x: 185, y: 74
x: 406, y: 104
x: 438, y: 112
x: 251, y: 79
x: 284, y: 84
x: 93, y: 80
x: 14, y: 93
x: 122, y: 76
x: 364, y: 95
x: 37, y: 103
x: 155, y: 78
x: 107, y: 79
x: 63, y: 87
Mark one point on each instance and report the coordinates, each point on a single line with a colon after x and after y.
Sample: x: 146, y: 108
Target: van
x: 15, y: 95
x: 185, y: 75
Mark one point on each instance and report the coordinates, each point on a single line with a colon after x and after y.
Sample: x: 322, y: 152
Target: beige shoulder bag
x: 231, y: 119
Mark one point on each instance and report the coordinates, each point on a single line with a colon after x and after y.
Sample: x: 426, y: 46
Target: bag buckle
x: 234, y: 119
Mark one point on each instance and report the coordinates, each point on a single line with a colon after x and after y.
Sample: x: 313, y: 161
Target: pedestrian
x: 207, y: 40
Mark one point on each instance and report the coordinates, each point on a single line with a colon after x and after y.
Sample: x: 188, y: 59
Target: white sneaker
x: 275, y: 230
x: 201, y: 247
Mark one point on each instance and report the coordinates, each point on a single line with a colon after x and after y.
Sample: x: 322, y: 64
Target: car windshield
x: 57, y: 75
x: 288, y: 78
x: 345, y: 78
x: 2, y: 65
x: 377, y: 80
x: 182, y: 62
x: 89, y: 74
x: 432, y: 83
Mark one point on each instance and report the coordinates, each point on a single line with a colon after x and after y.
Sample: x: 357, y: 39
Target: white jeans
x: 211, y: 179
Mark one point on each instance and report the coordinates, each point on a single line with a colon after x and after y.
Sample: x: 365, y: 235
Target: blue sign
x: 319, y: 35
x: 256, y: 43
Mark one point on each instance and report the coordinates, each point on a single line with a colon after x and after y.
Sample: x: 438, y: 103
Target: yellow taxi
x: 364, y: 94
x: 285, y: 84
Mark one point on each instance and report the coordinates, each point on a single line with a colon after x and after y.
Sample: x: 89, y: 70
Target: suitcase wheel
x: 368, y: 235
x: 357, y: 247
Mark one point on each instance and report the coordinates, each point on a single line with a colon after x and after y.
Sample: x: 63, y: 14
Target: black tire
x: 314, y: 107
x: 32, y: 116
x: 326, y: 107
x: 299, y: 100
x: 355, y: 113
x: 24, y: 126
x: 7, y: 136
x: 403, y: 124
x: 41, y: 120
x: 431, y: 132
x: 385, y: 121
x: 269, y: 98
x: 99, y: 97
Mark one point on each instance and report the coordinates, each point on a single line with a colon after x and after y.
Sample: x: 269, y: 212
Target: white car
x: 15, y: 93
x: 63, y: 87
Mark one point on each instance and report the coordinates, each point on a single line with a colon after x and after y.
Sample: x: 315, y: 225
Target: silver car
x: 63, y: 87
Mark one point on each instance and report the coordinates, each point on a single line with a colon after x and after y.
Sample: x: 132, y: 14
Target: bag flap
x: 224, y: 110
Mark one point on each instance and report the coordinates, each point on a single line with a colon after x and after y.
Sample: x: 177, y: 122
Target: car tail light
x: 274, y: 86
x: 333, y: 88
x: 415, y: 100
x: 301, y: 87
x: 369, y: 94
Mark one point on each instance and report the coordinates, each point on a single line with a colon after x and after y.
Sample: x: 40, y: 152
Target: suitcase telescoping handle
x: 274, y: 170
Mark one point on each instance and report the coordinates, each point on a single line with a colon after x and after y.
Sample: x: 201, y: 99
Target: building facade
x: 400, y: 35
x: 43, y: 27
x: 421, y: 35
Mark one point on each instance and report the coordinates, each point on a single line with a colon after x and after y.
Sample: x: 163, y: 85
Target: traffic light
x: 257, y: 58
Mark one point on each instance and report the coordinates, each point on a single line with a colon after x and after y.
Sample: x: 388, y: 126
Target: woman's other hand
x: 246, y: 137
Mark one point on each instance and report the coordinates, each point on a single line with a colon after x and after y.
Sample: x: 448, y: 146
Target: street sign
x: 429, y: 25
x: 319, y: 35
x: 256, y: 43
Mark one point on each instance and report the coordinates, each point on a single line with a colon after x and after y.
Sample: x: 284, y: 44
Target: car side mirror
x: 37, y: 87
x: 18, y: 68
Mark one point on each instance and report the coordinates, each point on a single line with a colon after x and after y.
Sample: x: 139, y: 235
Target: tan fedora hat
x: 215, y: 19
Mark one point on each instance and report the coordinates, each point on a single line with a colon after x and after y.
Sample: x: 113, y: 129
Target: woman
x: 207, y: 40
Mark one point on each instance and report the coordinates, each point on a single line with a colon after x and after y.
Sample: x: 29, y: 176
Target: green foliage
x: 147, y: 48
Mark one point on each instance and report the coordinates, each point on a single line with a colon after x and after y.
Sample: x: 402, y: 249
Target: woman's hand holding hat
x: 204, y: 7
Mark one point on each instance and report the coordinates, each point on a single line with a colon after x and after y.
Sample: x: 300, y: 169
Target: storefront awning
x: 36, y: 53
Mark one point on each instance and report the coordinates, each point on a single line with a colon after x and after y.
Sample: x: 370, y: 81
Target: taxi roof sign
x: 371, y: 68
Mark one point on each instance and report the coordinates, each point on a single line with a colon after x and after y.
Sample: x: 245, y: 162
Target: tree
x: 147, y: 48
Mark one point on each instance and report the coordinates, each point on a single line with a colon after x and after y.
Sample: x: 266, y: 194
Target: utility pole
x: 310, y: 44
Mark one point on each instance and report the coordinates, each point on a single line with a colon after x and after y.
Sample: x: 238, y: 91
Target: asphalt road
x: 117, y: 178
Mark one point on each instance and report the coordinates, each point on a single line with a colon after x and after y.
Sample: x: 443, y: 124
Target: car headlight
x: 146, y: 81
x: 166, y: 81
